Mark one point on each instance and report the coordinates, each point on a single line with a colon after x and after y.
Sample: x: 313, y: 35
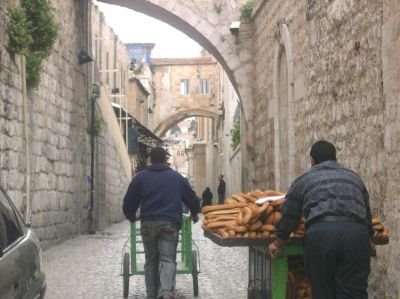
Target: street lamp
x: 84, y: 57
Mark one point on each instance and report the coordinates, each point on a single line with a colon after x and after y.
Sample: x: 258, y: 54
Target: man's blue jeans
x: 160, y: 240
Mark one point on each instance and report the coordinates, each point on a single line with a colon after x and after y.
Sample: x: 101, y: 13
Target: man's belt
x: 333, y: 219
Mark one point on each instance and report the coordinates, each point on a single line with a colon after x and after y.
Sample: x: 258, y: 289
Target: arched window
x: 283, y: 108
x: 283, y: 93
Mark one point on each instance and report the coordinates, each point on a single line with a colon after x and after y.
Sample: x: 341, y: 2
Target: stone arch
x: 175, y: 118
x: 211, y: 30
x: 283, y: 97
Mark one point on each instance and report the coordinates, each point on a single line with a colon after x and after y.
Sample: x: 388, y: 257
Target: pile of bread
x: 298, y: 284
x: 240, y: 216
x: 381, y: 231
x: 303, y: 288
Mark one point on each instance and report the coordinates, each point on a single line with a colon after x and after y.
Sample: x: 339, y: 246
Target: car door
x: 11, y: 235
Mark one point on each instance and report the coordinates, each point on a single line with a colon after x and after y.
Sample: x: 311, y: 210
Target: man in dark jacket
x: 221, y: 189
x: 207, y: 197
x: 160, y: 192
x: 335, y: 204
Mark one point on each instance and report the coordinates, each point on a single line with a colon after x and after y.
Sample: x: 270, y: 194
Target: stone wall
x: 199, y: 168
x: 59, y: 148
x: 12, y: 157
x: 110, y: 54
x: 342, y: 85
x: 385, y: 281
x: 267, y: 40
x: 112, y: 182
x: 139, y: 101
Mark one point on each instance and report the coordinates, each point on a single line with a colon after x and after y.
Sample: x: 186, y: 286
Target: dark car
x: 21, y: 274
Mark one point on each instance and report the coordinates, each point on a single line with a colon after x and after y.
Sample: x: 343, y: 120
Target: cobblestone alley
x: 89, y: 267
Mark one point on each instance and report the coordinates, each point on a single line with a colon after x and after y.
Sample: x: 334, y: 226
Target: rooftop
x: 182, y: 61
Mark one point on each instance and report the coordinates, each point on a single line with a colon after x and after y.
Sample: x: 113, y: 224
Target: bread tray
x: 380, y: 240
x: 246, y: 242
x: 254, y: 242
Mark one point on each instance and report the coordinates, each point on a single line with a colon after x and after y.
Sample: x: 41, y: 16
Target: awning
x: 143, y: 134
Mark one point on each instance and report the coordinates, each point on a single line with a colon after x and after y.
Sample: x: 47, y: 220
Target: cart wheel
x: 126, y: 274
x: 195, y: 274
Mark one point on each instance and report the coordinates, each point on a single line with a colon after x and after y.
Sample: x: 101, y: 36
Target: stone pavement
x: 89, y: 267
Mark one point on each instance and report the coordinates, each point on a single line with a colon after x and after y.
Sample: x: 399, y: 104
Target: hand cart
x: 267, y: 277
x: 270, y: 278
x: 187, y: 258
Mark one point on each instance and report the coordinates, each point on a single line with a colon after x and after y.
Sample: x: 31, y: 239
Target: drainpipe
x: 92, y: 132
x: 28, y: 209
x: 95, y: 94
x: 92, y: 98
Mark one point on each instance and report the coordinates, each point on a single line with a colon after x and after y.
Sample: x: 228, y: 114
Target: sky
x: 134, y: 27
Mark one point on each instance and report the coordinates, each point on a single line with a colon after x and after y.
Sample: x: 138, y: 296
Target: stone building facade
x: 57, y: 123
x: 184, y: 87
x: 189, y: 87
x: 138, y: 104
x: 227, y: 156
x: 111, y: 66
x: 327, y: 70
x: 141, y: 85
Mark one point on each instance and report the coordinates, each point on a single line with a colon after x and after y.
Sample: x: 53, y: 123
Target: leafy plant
x: 246, y: 10
x: 97, y: 126
x: 235, y: 135
x: 19, y: 37
x: 32, y: 32
x: 218, y: 7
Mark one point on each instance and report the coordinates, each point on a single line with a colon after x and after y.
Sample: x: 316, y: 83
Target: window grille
x: 204, y: 86
x: 185, y: 87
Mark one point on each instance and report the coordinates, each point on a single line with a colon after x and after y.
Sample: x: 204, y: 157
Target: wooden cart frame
x: 187, y: 258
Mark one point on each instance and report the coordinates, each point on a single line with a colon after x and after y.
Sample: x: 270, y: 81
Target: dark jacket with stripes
x: 325, y: 189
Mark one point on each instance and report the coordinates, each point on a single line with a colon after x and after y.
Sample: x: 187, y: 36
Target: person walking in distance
x: 207, y: 197
x: 335, y: 204
x: 160, y: 192
x: 221, y: 190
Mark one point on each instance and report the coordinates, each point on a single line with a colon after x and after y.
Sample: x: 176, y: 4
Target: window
x: 204, y: 86
x: 10, y: 223
x: 180, y: 153
x: 184, y: 87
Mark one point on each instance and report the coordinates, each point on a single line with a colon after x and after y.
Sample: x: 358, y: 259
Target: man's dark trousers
x: 337, y: 260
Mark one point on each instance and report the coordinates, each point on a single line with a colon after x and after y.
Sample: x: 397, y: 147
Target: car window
x: 10, y: 227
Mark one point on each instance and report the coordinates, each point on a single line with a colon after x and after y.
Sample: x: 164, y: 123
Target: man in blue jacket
x: 160, y: 192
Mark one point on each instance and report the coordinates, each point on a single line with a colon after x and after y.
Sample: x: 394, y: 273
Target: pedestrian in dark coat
x: 160, y: 192
x: 221, y: 190
x: 207, y: 197
x: 335, y: 204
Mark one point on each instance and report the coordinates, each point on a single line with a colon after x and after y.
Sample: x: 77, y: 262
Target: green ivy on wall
x: 32, y: 32
x: 235, y: 135
x: 218, y: 7
x: 245, y: 11
x: 19, y: 37
x: 97, y: 126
